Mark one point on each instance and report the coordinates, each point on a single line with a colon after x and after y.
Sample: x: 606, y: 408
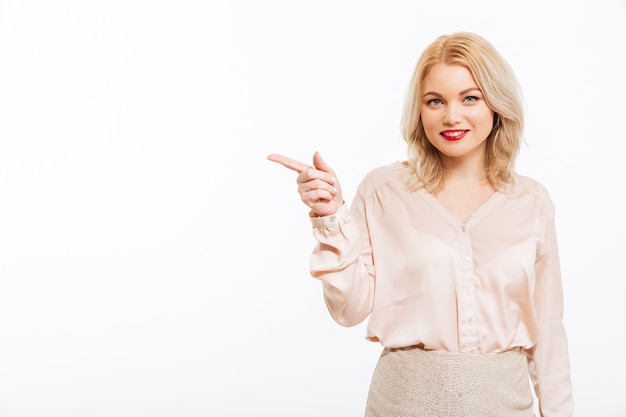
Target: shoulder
x: 536, y: 190
x: 532, y: 186
x: 394, y: 174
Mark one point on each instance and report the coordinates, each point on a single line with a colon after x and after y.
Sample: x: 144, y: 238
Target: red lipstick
x: 454, y: 135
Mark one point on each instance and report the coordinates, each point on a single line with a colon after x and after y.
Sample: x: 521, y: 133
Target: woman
x: 451, y: 254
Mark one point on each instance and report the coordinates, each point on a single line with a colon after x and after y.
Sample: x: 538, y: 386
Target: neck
x: 470, y: 170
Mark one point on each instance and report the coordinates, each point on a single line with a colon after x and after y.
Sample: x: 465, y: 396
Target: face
x: 454, y: 114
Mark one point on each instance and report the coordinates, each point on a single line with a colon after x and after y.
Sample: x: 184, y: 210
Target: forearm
x: 342, y: 261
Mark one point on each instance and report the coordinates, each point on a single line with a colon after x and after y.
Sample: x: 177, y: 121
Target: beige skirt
x: 412, y: 382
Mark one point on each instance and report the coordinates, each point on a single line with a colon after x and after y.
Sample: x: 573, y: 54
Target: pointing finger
x: 292, y: 164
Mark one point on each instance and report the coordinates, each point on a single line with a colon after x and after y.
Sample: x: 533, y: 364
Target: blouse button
x: 463, y: 228
x: 468, y: 258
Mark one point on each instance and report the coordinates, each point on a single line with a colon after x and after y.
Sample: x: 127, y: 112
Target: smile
x: 453, y: 135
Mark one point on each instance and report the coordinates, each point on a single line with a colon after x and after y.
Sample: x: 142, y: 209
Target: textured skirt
x: 412, y: 382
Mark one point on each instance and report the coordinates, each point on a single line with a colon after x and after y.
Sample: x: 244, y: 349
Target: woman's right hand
x: 317, y: 184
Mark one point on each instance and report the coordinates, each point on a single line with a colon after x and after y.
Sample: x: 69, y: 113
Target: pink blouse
x: 424, y: 278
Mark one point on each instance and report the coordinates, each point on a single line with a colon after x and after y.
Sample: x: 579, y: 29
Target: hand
x: 317, y: 184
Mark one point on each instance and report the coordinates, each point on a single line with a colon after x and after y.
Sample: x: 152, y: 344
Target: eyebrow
x: 467, y: 90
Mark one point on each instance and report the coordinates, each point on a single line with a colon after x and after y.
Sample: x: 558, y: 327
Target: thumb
x: 320, y: 164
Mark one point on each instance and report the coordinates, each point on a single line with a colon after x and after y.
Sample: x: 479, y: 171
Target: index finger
x: 292, y: 164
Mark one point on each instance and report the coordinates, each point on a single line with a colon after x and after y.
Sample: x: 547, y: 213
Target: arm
x: 342, y: 260
x: 549, y: 358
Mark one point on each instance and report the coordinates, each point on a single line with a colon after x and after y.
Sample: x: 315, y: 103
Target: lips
x: 453, y: 135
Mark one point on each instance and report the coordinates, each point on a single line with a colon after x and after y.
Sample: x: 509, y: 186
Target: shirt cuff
x: 331, y: 222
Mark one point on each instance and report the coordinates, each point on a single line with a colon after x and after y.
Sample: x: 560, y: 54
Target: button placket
x: 467, y: 319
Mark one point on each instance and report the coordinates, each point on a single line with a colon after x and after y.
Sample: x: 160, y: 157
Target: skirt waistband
x: 425, y: 383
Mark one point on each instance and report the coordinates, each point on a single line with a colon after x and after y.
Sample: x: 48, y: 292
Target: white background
x: 154, y: 263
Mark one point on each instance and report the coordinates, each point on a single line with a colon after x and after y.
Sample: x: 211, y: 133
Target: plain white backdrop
x: 154, y: 263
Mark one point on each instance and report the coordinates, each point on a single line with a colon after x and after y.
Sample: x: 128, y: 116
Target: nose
x: 451, y: 115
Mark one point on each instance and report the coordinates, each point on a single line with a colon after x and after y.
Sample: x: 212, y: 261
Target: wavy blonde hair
x: 501, y: 91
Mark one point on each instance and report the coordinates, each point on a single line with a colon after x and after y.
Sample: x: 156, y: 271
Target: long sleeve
x: 549, y: 359
x: 342, y: 260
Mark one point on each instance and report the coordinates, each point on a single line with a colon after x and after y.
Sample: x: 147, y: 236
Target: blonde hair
x: 500, y: 88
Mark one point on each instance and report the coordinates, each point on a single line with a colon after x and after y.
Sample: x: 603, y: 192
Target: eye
x: 434, y: 102
x: 470, y: 99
